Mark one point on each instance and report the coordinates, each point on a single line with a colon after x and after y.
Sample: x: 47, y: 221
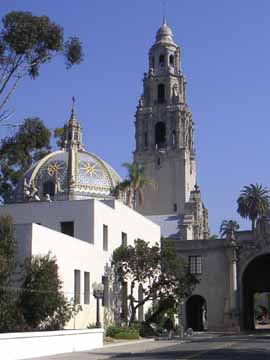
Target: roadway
x: 253, y: 346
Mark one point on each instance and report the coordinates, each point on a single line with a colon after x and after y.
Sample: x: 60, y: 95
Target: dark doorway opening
x: 196, y: 313
x: 255, y: 280
x: 49, y: 188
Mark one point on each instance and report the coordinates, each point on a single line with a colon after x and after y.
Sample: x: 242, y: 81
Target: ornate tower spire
x: 73, y: 135
x: 165, y: 144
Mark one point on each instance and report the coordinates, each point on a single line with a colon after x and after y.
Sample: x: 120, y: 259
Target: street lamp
x: 98, y: 294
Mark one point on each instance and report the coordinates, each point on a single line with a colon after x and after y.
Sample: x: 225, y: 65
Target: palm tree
x: 134, y: 184
x: 253, y: 203
x: 228, y: 227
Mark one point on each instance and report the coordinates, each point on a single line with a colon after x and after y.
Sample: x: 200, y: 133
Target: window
x: 124, y: 239
x: 161, y: 93
x: 49, y: 188
x: 105, y: 237
x: 160, y: 134
x: 124, y: 295
x: 195, y: 264
x: 140, y: 298
x: 173, y: 137
x: 105, y: 298
x: 86, y: 287
x: 145, y: 139
x: 161, y: 60
x: 171, y: 60
x: 67, y: 227
x: 77, y: 286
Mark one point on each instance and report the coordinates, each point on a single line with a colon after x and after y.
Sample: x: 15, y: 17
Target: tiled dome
x: 93, y: 176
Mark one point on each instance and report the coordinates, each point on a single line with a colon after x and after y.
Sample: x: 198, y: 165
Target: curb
x: 127, y: 343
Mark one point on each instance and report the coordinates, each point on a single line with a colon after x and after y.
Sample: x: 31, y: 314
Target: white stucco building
x: 63, y: 205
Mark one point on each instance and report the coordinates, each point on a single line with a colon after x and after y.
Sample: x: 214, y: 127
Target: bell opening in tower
x: 161, y: 94
x: 160, y: 135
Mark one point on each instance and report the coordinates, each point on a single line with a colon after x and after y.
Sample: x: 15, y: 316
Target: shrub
x: 146, y: 330
x: 112, y: 330
x: 128, y: 334
x: 118, y: 332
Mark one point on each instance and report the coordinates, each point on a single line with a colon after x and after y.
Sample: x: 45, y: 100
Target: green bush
x: 128, y: 334
x: 118, y: 332
x: 112, y: 330
x: 146, y: 330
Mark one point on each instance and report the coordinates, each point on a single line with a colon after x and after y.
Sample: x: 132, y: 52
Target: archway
x: 255, y: 280
x: 196, y: 313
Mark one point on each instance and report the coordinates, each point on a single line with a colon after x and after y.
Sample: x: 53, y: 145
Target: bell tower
x: 165, y: 145
x: 164, y: 130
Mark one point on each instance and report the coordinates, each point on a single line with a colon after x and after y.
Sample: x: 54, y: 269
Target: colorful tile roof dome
x: 70, y: 173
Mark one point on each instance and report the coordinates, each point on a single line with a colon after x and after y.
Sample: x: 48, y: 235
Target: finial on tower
x: 73, y: 116
x: 73, y: 102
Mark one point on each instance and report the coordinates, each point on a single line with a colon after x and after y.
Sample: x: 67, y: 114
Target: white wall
x: 51, y: 214
x: 16, y: 346
x: 86, y: 255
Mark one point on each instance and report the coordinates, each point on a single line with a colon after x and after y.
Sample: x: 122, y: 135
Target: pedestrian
x: 168, y: 325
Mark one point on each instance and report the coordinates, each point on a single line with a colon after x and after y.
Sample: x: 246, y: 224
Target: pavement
x: 210, y: 346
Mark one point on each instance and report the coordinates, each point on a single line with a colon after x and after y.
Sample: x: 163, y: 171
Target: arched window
x: 173, y: 137
x: 171, y: 60
x: 145, y: 139
x: 49, y: 188
x: 161, y: 93
x: 160, y: 134
x: 161, y: 60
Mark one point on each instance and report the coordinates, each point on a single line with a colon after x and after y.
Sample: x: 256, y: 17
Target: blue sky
x: 225, y: 57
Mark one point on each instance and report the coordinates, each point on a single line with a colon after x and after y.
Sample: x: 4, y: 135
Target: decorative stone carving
x: 30, y: 191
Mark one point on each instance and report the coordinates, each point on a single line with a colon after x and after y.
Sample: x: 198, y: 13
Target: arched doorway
x: 196, y: 313
x: 255, y: 280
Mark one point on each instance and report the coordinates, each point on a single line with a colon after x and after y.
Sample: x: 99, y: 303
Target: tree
x: 8, y: 246
x: 228, y: 227
x: 20, y: 151
x: 26, y: 43
x: 253, y: 203
x: 157, y: 269
x: 135, y: 183
x: 42, y: 302
x: 213, y: 237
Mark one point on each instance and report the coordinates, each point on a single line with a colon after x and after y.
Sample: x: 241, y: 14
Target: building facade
x: 63, y: 205
x: 231, y: 271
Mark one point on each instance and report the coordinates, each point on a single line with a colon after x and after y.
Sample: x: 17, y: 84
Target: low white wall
x: 16, y: 346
